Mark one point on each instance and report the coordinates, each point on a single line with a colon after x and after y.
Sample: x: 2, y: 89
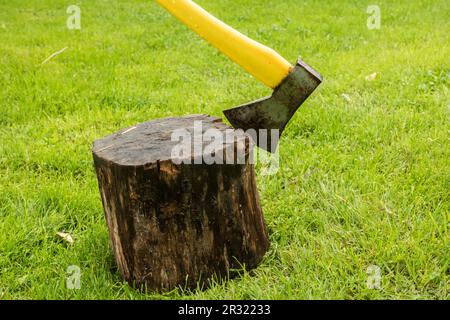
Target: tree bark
x: 178, y: 224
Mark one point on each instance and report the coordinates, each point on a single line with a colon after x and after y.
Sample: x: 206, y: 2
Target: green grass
x: 362, y: 181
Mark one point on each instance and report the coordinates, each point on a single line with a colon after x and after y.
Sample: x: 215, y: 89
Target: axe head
x: 274, y: 112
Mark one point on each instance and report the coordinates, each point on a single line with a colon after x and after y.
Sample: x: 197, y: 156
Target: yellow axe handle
x: 262, y: 62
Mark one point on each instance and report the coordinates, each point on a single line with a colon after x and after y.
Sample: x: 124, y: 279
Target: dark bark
x: 177, y: 224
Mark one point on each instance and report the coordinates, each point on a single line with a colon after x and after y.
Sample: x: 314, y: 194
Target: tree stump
x: 175, y: 223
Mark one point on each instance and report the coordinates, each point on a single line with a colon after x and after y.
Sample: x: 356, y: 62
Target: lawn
x: 364, y: 178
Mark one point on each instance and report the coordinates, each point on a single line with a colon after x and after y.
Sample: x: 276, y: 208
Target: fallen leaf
x: 65, y: 236
x: 371, y: 76
x: 22, y: 279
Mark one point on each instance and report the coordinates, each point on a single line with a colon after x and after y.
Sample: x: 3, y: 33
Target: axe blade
x: 275, y: 111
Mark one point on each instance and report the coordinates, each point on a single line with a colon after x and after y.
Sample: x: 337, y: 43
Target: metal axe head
x: 274, y: 112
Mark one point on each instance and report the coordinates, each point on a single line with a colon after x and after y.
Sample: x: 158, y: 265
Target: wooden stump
x: 178, y: 224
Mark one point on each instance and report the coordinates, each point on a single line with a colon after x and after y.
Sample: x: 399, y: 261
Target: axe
x: 291, y: 85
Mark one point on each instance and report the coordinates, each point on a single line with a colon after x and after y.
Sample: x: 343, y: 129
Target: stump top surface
x: 151, y: 141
